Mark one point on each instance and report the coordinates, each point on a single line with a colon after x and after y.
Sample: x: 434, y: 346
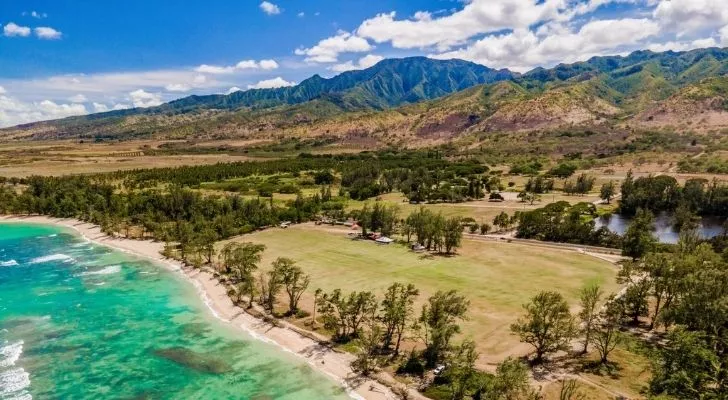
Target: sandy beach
x: 322, y: 358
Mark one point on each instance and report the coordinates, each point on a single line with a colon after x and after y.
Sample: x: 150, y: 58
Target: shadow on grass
x: 596, y: 367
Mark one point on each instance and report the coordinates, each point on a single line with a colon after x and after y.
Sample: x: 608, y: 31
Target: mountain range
x: 440, y: 99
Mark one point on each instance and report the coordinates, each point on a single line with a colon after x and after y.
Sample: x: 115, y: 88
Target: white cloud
x: 199, y: 79
x: 271, y: 84
x: 270, y: 8
x: 683, y: 46
x: 214, y: 69
x: 363, y: 63
x: 252, y: 64
x: 36, y: 14
x: 12, y: 29
x: 100, y: 107
x: 328, y: 50
x: 48, y: 33
x: 233, y: 90
x: 245, y: 64
x: 2, y: 90
x: 723, y: 36
x: 242, y: 65
x: 14, y: 111
x: 178, y: 87
x: 686, y: 16
x: 301, y: 14
x: 107, y: 84
x: 142, y: 98
x: 268, y: 64
x: 523, y: 49
x: 79, y: 98
x: 476, y: 17
x: 110, y: 90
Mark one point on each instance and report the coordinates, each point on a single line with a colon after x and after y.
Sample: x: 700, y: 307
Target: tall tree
x: 606, y: 337
x: 688, y: 367
x: 460, y: 372
x: 366, y: 360
x: 453, y: 234
x: 547, y: 325
x: 607, y: 191
x: 294, y: 280
x: 438, y: 321
x: 396, y: 313
x: 590, y: 297
x: 346, y: 314
x: 638, y: 240
x: 317, y: 294
x: 635, y: 300
x: 207, y: 239
x: 242, y: 261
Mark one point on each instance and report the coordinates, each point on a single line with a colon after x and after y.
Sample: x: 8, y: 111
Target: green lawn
x: 497, y: 277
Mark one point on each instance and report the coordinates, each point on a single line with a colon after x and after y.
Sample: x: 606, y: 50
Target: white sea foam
x: 8, y: 263
x: 111, y: 269
x: 52, y: 257
x: 10, y: 353
x: 22, y: 396
x: 14, y: 381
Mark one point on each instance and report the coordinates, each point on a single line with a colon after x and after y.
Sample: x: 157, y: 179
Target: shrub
x: 412, y: 366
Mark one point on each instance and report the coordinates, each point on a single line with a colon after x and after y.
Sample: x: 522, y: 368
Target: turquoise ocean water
x: 82, y: 321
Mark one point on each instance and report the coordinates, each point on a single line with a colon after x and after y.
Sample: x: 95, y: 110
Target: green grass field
x: 497, y: 277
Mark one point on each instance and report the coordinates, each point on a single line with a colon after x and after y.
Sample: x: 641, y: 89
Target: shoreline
x: 334, y: 364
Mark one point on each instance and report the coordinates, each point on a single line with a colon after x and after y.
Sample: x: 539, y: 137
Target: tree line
x: 189, y: 218
x: 664, y: 193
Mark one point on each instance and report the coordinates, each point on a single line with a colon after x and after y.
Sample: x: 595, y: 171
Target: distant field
x: 20, y: 159
x: 483, y: 211
x: 497, y: 277
x: 65, y: 165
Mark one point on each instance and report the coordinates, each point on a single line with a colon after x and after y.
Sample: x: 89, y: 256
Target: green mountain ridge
x: 417, y: 96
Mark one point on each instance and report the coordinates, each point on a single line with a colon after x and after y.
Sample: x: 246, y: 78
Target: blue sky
x: 64, y: 57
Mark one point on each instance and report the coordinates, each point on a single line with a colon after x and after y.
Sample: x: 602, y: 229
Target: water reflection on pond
x: 664, y: 230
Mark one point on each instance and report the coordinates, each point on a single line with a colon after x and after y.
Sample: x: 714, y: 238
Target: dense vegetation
x: 562, y: 222
x: 664, y: 193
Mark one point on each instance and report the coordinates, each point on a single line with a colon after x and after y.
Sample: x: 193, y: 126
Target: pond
x: 664, y: 230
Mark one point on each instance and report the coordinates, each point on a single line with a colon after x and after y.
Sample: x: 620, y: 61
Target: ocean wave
x: 52, y: 257
x: 14, y: 381
x: 111, y: 269
x: 10, y: 353
x: 9, y: 263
